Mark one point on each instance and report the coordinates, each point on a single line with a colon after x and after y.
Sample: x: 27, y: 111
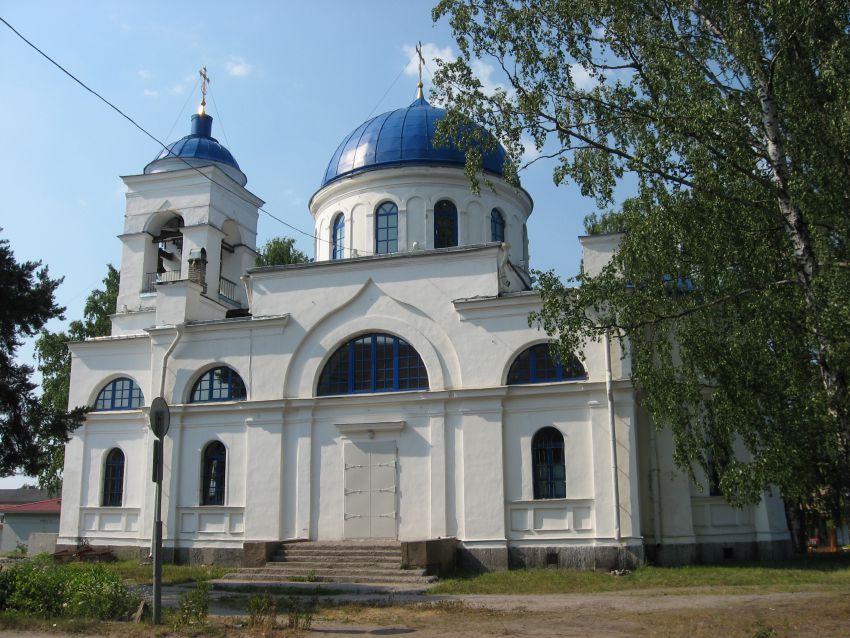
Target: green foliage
x: 732, y: 279
x: 54, y: 363
x: 822, y: 572
x: 279, y: 251
x: 41, y: 588
x: 300, y: 611
x: 262, y: 611
x: 194, y: 605
x: 26, y: 423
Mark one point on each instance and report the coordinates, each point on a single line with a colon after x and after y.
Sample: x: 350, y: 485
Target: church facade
x: 390, y: 389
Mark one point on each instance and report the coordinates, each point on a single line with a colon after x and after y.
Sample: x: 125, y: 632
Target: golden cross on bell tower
x: 205, y: 80
x: 421, y: 63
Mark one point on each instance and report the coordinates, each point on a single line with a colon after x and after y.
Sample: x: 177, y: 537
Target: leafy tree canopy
x: 54, y: 363
x: 731, y: 281
x: 279, y: 251
x: 27, y: 424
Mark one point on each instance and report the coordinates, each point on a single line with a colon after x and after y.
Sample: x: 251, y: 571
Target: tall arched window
x: 213, y: 474
x: 386, y: 229
x: 445, y: 224
x: 497, y: 226
x: 373, y: 363
x: 113, y: 479
x: 219, y: 384
x: 547, y: 459
x: 119, y: 394
x: 338, y: 237
x: 536, y: 365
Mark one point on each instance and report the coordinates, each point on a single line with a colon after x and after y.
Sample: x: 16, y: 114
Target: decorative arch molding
x: 526, y: 347
x: 371, y: 310
x: 157, y: 220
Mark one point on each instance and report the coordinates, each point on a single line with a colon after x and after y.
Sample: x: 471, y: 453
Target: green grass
x: 142, y: 574
x: 794, y: 575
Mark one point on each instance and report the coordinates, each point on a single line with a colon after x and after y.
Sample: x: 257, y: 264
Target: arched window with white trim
x: 373, y: 363
x: 113, y: 479
x: 338, y: 237
x: 214, y: 473
x: 548, y: 464
x: 218, y: 384
x: 497, y: 226
x: 536, y: 365
x: 119, y: 394
x: 445, y: 224
x: 386, y: 229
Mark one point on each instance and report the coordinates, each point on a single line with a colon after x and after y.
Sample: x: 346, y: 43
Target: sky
x: 289, y: 81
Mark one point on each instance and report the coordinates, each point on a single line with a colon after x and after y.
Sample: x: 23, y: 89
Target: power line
x: 154, y: 138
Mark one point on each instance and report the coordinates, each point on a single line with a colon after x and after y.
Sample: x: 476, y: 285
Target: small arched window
x: 219, y: 384
x: 536, y: 365
x: 386, y: 229
x: 338, y: 237
x: 547, y: 459
x: 445, y: 224
x: 120, y: 394
x: 497, y: 226
x: 373, y: 363
x: 113, y: 479
x: 214, y: 472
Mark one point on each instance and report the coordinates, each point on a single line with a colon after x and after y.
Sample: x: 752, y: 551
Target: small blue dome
x: 198, y: 148
x: 403, y: 136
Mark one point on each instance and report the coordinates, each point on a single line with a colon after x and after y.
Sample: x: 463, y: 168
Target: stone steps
x: 364, y: 562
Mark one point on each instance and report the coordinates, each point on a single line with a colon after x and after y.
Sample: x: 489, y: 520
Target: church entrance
x: 370, y: 489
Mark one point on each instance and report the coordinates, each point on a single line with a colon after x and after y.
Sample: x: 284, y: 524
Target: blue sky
x: 289, y: 81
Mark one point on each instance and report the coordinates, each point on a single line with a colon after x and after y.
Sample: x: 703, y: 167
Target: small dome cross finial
x: 205, y: 80
x: 419, y: 94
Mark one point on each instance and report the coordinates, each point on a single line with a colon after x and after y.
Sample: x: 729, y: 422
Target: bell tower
x: 190, y: 233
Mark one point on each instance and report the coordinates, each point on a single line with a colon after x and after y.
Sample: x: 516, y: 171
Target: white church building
x: 390, y: 389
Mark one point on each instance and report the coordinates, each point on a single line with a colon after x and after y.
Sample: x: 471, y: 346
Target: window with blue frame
x: 338, y: 237
x: 497, y: 226
x: 386, y: 229
x: 548, y: 467
x: 373, y: 363
x: 219, y: 384
x: 214, y: 473
x: 445, y: 224
x: 113, y: 479
x: 120, y: 394
x: 536, y: 365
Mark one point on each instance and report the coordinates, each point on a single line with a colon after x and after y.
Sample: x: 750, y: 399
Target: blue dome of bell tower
x: 199, y: 148
x: 401, y: 137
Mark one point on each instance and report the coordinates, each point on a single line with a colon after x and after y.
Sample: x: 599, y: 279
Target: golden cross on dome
x: 421, y: 63
x: 205, y: 80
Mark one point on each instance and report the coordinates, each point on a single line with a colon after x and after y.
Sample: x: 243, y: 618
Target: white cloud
x: 237, y: 66
x: 150, y: 93
x: 177, y: 89
x: 583, y: 79
x: 145, y: 74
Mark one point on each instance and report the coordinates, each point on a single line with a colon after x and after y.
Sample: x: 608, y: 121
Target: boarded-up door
x: 370, y: 489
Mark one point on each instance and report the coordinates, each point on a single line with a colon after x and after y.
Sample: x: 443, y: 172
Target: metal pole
x: 157, y: 535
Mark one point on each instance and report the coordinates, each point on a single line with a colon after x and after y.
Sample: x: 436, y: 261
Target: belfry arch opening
x: 164, y: 254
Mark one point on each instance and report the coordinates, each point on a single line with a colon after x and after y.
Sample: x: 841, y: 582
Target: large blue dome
x: 198, y: 148
x: 403, y: 136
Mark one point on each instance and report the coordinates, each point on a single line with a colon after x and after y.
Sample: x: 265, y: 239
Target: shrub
x: 194, y: 605
x: 299, y: 612
x: 262, y: 611
x: 41, y: 588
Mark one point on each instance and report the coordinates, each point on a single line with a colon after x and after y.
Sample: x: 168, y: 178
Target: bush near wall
x: 38, y: 587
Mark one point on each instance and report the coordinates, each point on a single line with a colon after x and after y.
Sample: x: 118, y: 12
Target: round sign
x: 160, y: 417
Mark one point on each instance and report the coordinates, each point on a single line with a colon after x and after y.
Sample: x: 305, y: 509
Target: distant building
x: 20, y: 516
x: 391, y: 389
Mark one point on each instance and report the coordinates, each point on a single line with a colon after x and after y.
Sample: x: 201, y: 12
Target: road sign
x: 160, y: 417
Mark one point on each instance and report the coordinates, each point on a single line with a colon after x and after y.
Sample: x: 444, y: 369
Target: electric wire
x: 390, y: 88
x: 182, y: 109
x: 164, y: 147
x: 220, y: 119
